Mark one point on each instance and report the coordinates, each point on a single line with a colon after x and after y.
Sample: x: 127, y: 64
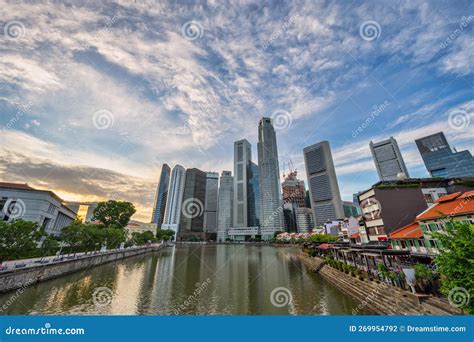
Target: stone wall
x: 31, y: 275
x: 381, y: 298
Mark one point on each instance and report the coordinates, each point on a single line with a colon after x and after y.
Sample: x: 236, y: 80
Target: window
x: 424, y: 228
x: 433, y: 227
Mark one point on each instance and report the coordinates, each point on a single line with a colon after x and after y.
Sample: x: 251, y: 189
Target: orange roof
x: 355, y: 236
x: 450, y: 205
x: 447, y: 198
x: 410, y: 231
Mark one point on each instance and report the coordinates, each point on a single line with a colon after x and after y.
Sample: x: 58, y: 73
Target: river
x: 188, y: 280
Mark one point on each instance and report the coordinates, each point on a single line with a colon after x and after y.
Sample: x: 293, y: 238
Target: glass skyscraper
x: 271, y: 207
x: 441, y: 161
x: 161, y: 196
x: 225, y: 205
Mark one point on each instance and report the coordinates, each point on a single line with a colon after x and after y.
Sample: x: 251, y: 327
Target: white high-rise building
x: 388, y: 159
x: 225, y: 205
x: 175, y: 199
x: 271, y: 207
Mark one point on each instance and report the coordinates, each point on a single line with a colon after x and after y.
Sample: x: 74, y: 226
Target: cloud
x: 176, y: 100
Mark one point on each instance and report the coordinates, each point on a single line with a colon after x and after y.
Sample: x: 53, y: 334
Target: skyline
x: 182, y: 94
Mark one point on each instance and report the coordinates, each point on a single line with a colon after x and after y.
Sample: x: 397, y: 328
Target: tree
x: 49, y: 245
x: 165, y: 234
x: 140, y: 239
x: 18, y: 239
x: 72, y: 235
x: 114, y: 213
x: 456, y: 262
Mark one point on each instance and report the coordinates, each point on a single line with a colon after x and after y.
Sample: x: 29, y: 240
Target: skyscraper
x: 294, y: 194
x: 175, y: 198
x: 225, y: 205
x: 271, y: 207
x: 388, y: 159
x: 161, y: 196
x: 192, y: 209
x: 210, y: 204
x: 440, y: 161
x: 322, y: 182
x: 242, y: 170
x: 254, y: 196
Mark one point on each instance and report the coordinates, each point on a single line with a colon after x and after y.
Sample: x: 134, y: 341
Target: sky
x: 96, y: 96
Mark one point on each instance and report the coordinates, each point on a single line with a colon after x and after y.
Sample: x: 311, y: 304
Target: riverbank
x: 377, y: 296
x: 25, y: 277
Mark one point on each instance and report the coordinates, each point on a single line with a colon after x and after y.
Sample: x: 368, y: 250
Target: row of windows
x: 417, y: 243
x: 434, y: 227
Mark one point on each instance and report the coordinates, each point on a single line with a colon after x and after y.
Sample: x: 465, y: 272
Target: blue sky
x: 95, y: 96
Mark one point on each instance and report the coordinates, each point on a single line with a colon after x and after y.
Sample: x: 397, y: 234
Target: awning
x: 324, y: 246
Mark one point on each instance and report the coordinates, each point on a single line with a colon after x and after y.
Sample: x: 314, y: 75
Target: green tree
x: 50, y: 245
x: 455, y: 263
x: 18, y: 239
x: 114, y: 213
x: 321, y: 238
x: 165, y: 234
x: 72, y: 235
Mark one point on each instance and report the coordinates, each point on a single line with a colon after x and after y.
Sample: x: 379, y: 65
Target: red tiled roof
x: 450, y: 205
x: 355, y: 236
x: 410, y: 231
x: 15, y: 186
x: 324, y: 246
x: 449, y: 197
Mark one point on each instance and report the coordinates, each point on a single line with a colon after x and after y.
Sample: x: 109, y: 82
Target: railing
x: 55, y: 259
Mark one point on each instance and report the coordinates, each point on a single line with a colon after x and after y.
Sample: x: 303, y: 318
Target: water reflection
x: 189, y: 280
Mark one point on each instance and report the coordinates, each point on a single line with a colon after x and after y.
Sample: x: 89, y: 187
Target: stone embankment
x: 25, y: 277
x: 379, y: 297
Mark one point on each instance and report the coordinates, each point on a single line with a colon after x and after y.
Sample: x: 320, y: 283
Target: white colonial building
x: 20, y: 201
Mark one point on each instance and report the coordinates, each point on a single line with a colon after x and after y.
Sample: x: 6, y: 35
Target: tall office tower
x: 388, y: 159
x: 271, y: 207
x: 294, y: 194
x: 210, y: 204
x: 175, y: 199
x: 192, y: 209
x: 304, y: 220
x: 161, y: 196
x: 254, y: 196
x: 242, y: 169
x: 225, y: 205
x: 322, y: 182
x: 440, y: 161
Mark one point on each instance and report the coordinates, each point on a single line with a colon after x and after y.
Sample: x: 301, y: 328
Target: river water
x: 189, y: 280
